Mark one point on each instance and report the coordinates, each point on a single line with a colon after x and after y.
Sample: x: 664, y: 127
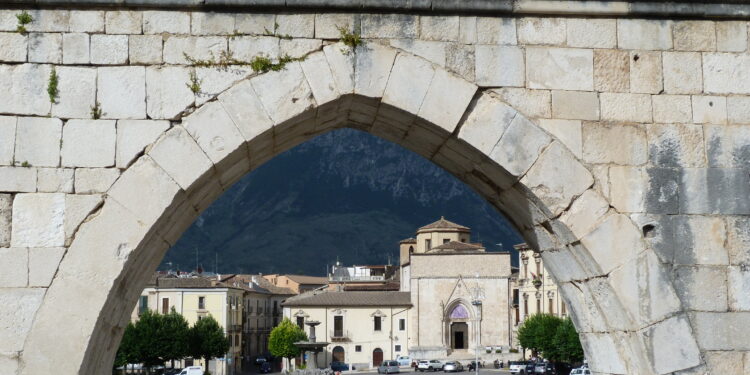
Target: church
x: 453, y: 299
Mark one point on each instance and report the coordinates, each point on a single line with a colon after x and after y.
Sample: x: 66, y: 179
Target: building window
x: 201, y: 303
x: 358, y: 348
x: 377, y: 323
x: 550, y: 305
x: 237, y: 340
x: 338, y: 326
x: 517, y: 316
x: 428, y: 244
x: 562, y: 308
x: 538, y: 305
x: 165, y: 306
x: 398, y: 348
x: 446, y: 240
x: 301, y: 322
x: 402, y: 324
x: 142, y: 305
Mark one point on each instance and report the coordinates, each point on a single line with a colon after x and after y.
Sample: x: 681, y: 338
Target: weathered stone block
x: 731, y: 36
x: 574, y: 178
x: 7, y: 139
x: 686, y: 240
x: 738, y: 109
x: 284, y: 94
x: 167, y: 92
x: 495, y: 30
x: 567, y: 131
x: 541, y: 31
x: 14, y: 267
x: 122, y: 92
x: 682, y: 73
x: 214, y: 81
x: 77, y: 92
x: 625, y: 107
x: 38, y: 220
x: 86, y: 21
x: 608, y: 359
x: 25, y: 88
x: 738, y: 240
x: 342, y: 67
x: 486, y: 123
x: 77, y: 208
x: 695, y: 36
x: 299, y: 47
x: 575, y: 105
x: 14, y: 48
x: 611, y: 70
x: 443, y: 110
x: 726, y: 73
x: 213, y: 129
x: 372, y: 69
x: 248, y: 47
x: 75, y: 48
x: 532, y: 103
x: 210, y: 23
x: 591, y: 33
x: 662, y: 195
x: 560, y: 68
x: 614, y: 242
x: 676, y: 145
x: 499, y: 66
x: 388, y: 26
x: 520, y: 146
x: 54, y: 180
x: 738, y: 279
x: 199, y: 48
x: 585, y: 212
x: 726, y: 146
x: 702, y: 288
x: 672, y: 108
x: 730, y: 363
x: 18, y: 306
x: 89, y: 143
x: 45, y: 48
x: 14, y: 180
x: 722, y: 330
x: 133, y: 136
x: 181, y: 157
x: 442, y: 28
x: 157, y: 22
x: 709, y: 109
x: 145, y: 49
x: 109, y: 49
x: 156, y: 192
x: 43, y: 265
x: 327, y: 24
x: 461, y: 59
x: 95, y: 180
x: 245, y: 108
x: 645, y: 72
x: 296, y: 25
x: 38, y: 141
x: 47, y: 20
x: 431, y: 50
x: 613, y: 143
x: 6, y: 211
x: 408, y: 84
x: 124, y: 22
x: 623, y: 196
x: 672, y: 345
x: 644, y: 34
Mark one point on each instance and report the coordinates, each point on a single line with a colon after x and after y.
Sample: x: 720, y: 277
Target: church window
x: 402, y: 324
x: 428, y: 244
x: 378, y: 324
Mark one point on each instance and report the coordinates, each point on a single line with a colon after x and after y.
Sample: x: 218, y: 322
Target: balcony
x: 340, y: 335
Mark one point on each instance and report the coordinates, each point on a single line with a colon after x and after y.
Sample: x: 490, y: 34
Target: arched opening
x: 338, y: 354
x: 377, y: 357
x: 592, y: 250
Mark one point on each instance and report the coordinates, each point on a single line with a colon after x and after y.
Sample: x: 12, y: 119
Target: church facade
x: 454, y: 300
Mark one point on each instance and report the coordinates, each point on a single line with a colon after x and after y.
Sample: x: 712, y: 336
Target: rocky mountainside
x: 345, y: 195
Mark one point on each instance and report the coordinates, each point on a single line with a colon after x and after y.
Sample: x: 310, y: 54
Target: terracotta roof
x: 443, y: 224
x: 457, y: 246
x: 358, y: 298
x: 302, y: 279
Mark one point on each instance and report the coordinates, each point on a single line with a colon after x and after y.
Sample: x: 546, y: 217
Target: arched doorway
x: 377, y: 357
x: 338, y: 354
x: 458, y: 327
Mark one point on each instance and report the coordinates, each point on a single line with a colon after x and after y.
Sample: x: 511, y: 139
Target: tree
x: 154, y: 339
x: 567, y: 345
x: 282, y: 339
x: 174, y: 337
x: 537, y: 333
x: 126, y: 353
x: 207, y: 340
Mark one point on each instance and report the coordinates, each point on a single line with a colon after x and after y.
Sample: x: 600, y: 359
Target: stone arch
x: 597, y: 254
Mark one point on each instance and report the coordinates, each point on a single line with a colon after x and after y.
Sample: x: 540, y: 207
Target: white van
x: 192, y: 370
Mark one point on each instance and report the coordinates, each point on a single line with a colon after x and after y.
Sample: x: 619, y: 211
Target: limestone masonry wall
x: 619, y: 147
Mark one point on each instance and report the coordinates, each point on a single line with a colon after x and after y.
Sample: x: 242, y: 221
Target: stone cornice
x: 736, y: 9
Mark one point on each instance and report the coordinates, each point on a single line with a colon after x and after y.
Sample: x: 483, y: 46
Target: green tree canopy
x: 174, y: 337
x: 207, y: 339
x: 282, y: 339
x: 566, y: 343
x: 537, y: 333
x: 154, y: 339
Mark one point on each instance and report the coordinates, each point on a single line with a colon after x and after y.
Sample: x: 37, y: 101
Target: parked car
x: 389, y: 367
x: 259, y: 360
x: 339, y: 366
x: 520, y: 367
x: 172, y: 371
x: 544, y: 368
x: 192, y: 370
x: 431, y: 365
x: 581, y: 371
x: 266, y: 368
x: 453, y: 366
x: 404, y: 360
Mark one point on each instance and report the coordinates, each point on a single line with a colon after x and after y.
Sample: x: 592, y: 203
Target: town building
x: 297, y: 283
x: 453, y: 301
x: 362, y: 278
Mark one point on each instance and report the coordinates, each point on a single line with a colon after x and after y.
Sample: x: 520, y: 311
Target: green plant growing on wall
x: 24, y: 18
x: 350, y: 38
x: 96, y: 111
x: 195, y: 83
x: 26, y: 164
x: 52, y: 90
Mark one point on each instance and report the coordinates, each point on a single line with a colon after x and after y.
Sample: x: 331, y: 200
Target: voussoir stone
x: 133, y: 136
x: 43, y: 263
x: 18, y: 306
x: 284, y: 94
x: 181, y: 157
x: 486, y: 123
x: 519, y: 146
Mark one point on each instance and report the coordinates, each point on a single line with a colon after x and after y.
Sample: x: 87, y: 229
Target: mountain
x: 345, y: 195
